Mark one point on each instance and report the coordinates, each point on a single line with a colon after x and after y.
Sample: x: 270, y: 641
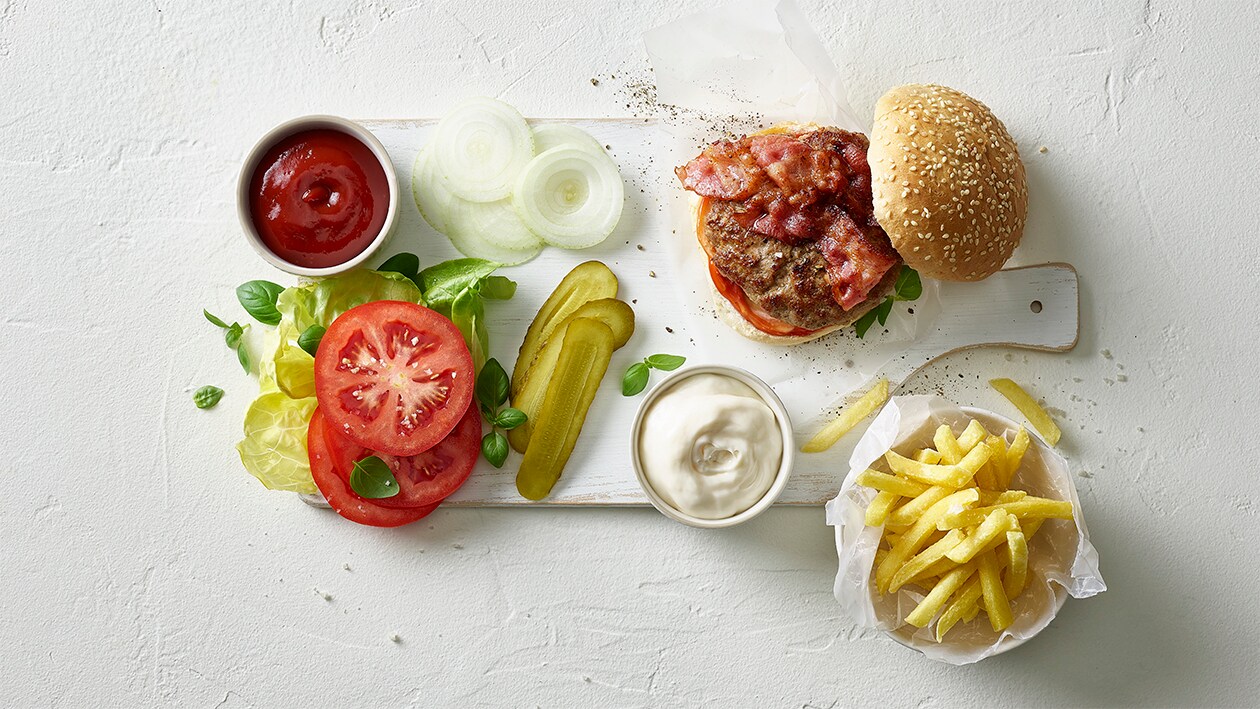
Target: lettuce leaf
x: 294, y: 368
x: 274, y: 449
x: 320, y: 302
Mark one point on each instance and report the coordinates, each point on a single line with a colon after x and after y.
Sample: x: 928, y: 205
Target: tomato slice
x: 336, y: 489
x: 425, y: 478
x: 755, y: 316
x: 393, y: 377
x: 738, y: 299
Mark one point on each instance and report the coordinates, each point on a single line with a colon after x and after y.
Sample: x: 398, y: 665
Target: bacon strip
x: 854, y: 264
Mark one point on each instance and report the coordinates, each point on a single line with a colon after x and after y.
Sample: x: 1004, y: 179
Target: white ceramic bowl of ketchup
x: 274, y: 137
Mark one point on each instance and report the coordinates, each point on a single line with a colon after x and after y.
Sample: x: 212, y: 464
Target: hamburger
x: 806, y: 227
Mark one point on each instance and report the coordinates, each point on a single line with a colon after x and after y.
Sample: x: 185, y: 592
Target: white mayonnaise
x: 710, y: 446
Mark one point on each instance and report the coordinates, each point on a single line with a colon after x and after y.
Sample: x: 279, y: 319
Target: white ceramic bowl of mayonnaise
x: 726, y: 437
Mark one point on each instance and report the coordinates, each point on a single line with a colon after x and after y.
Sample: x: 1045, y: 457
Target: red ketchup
x: 318, y: 198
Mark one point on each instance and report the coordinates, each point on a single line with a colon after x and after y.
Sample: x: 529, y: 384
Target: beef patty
x: 789, y: 282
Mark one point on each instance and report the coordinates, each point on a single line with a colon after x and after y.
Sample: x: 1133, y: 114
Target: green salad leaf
x: 320, y: 302
x: 443, y: 283
x: 372, y: 479
x: 635, y: 379
x: 259, y: 300
x: 310, y: 338
x: 908, y: 287
x: 274, y: 448
x: 494, y: 446
x: 207, y: 396
x: 402, y: 262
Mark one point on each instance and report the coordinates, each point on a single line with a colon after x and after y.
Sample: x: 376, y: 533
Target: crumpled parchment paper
x: 1061, y: 560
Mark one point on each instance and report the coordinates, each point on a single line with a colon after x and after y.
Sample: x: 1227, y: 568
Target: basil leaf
x: 882, y: 310
x: 909, y: 286
x: 443, y: 283
x: 492, y: 384
x: 494, y: 447
x: 242, y: 356
x: 509, y: 419
x: 207, y: 396
x: 259, y: 300
x: 310, y: 338
x: 636, y: 379
x: 469, y: 315
x: 214, y: 320
x: 497, y: 287
x: 372, y: 479
x: 665, y: 362
x: 233, y: 335
x: 864, y: 323
x: 404, y: 263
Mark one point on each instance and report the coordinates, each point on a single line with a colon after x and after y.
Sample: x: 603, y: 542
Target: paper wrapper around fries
x: 1062, y: 562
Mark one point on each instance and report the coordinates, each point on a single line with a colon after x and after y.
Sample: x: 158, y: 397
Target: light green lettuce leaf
x: 274, y: 449
x: 294, y: 368
x: 320, y: 302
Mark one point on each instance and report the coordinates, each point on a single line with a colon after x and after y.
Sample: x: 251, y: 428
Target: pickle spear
x: 612, y: 312
x: 587, y: 281
x: 588, y: 347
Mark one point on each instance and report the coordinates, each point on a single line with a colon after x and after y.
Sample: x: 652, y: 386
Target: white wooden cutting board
x: 997, y: 311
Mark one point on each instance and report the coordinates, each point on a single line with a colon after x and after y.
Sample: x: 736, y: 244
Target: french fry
x: 1029, y: 507
x: 1029, y: 407
x: 996, y: 605
x: 997, y: 462
x: 938, y: 568
x: 972, y: 436
x: 1030, y: 526
x: 852, y: 415
x: 914, y: 509
x: 974, y: 461
x: 912, y: 541
x: 993, y: 497
x: 1015, y: 453
x: 877, y: 512
x: 947, y: 444
x: 921, y: 561
x: 890, y: 483
x: 964, y: 603
x: 951, y: 476
x: 995, y: 525
x: 949, y: 583
x: 1017, y: 564
x: 972, y: 613
x: 929, y: 456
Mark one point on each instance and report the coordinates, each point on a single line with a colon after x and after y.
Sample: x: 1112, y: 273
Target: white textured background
x: 141, y: 565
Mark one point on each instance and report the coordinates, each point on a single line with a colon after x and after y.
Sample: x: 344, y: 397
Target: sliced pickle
x: 588, y: 346
x: 587, y: 281
x: 612, y: 312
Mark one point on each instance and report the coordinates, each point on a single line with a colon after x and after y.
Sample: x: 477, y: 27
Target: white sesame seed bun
x: 948, y: 184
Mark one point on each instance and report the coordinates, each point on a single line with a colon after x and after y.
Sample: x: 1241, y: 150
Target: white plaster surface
x: 143, y: 566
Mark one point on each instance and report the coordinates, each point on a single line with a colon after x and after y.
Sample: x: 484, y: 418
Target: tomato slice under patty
x: 336, y: 489
x: 425, y: 478
x: 755, y: 316
x: 393, y: 377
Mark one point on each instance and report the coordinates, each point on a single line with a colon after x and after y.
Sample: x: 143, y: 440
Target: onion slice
x: 570, y: 196
x: 480, y: 147
x: 491, y: 231
x: 432, y: 197
x: 554, y: 135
